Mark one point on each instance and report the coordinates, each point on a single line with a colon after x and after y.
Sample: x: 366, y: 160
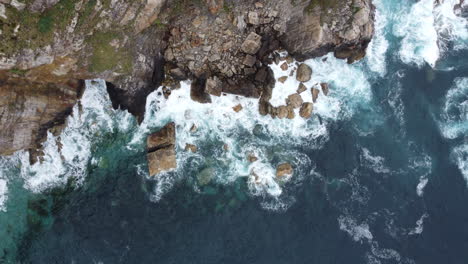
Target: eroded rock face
x: 161, y: 150
x: 137, y: 46
x: 318, y: 27
x: 28, y: 109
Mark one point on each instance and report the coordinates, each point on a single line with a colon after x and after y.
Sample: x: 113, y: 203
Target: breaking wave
x: 427, y: 30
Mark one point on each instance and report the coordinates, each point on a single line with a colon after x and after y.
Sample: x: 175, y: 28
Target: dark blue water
x: 386, y: 186
x: 110, y: 219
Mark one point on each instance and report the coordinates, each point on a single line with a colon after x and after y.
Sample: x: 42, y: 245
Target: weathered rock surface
x: 161, y: 153
x: 137, y: 46
x: 304, y: 73
x: 28, y: 109
x: 294, y: 100
x: 306, y: 110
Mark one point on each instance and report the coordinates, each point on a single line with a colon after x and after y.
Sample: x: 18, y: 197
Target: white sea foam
x: 376, y: 163
x: 3, y: 194
x: 460, y: 155
x: 427, y: 29
x: 419, y: 226
x: 248, y: 132
x: 419, y: 37
x: 450, y: 26
x: 420, y: 187
x: 454, y: 123
x: 421, y: 165
x: 358, y: 232
x: 377, y: 49
x: 84, y: 128
x: 455, y: 112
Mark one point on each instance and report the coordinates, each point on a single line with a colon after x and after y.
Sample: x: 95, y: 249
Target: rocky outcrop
x: 161, y: 150
x: 316, y: 27
x: 29, y: 108
x: 136, y: 46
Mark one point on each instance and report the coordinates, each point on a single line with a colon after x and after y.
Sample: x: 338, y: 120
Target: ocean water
x: 380, y: 170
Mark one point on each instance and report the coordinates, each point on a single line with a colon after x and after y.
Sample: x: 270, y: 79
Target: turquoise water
x: 380, y: 177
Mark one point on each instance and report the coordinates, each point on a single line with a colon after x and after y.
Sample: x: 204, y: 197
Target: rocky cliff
x: 223, y: 46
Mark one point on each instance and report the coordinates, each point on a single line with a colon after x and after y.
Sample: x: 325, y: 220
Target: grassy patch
x: 105, y: 56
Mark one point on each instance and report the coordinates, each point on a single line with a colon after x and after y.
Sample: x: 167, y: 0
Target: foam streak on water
x: 427, y: 29
x: 454, y: 124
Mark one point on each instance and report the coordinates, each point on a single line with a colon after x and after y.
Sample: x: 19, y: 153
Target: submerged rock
x: 325, y: 88
x: 237, y: 108
x: 315, y: 93
x: 191, y: 147
x: 284, y: 170
x: 161, y: 153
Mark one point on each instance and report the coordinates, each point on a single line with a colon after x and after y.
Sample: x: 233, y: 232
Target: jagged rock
x: 318, y: 27
x: 249, y: 60
x: 264, y: 107
x: 161, y: 150
x: 191, y: 147
x: 304, y: 73
x: 291, y: 113
x: 301, y: 88
x: 214, y: 86
x: 237, y: 108
x: 284, y: 66
x: 178, y: 74
x: 41, y: 5
x: 148, y: 15
x: 284, y: 170
x: 325, y: 88
x: 197, y: 92
x: 294, y: 100
x: 306, y: 110
x: 179, y: 34
x: 251, y: 158
x: 214, y: 5
x: 282, y: 79
x: 252, y: 43
x: 29, y: 109
x: 253, y: 18
x: 282, y: 112
x: 193, y: 129
x: 315, y: 93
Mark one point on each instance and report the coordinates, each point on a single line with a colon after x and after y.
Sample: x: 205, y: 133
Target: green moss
x: 18, y: 71
x: 322, y: 4
x: 45, y: 24
x: 105, y: 56
x: 159, y: 24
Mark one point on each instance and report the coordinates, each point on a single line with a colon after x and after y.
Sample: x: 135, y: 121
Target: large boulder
x: 161, y: 153
x: 294, y: 100
x: 314, y: 28
x: 306, y: 110
x: 304, y: 73
x: 252, y: 43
